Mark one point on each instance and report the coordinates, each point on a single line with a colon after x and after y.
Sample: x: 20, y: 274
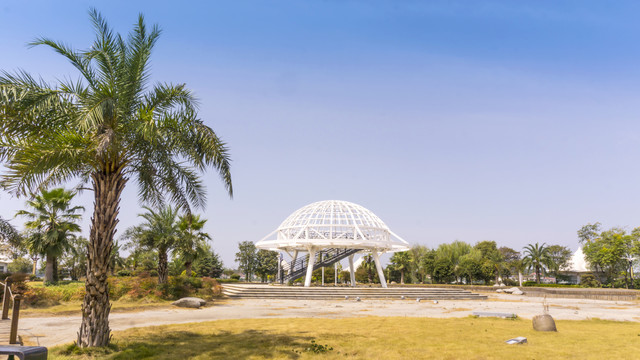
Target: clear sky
x: 513, y: 121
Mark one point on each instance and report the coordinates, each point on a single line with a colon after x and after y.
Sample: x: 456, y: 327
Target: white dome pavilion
x: 333, y: 225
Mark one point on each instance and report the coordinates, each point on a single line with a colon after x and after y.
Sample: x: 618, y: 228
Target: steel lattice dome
x: 333, y: 224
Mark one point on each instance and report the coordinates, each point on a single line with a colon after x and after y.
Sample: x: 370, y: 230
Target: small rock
x: 189, y: 302
x: 435, y: 301
x: 518, y: 340
x: 517, y: 292
x: 544, y: 323
x: 402, y: 297
x: 418, y: 300
x: 358, y: 298
x: 346, y: 297
x: 499, y: 290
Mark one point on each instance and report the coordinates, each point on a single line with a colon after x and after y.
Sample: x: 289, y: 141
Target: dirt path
x: 50, y: 331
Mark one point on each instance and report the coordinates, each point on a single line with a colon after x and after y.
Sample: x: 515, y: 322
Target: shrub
x: 590, y: 281
x: 235, y: 277
x: 123, y: 272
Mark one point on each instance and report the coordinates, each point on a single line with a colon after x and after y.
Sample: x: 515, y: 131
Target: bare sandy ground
x: 50, y: 331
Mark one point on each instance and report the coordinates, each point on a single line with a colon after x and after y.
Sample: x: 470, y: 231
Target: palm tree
x: 402, y: 261
x: 8, y: 233
x: 106, y: 128
x: 52, y: 222
x: 192, y: 240
x: 158, y: 231
x: 537, y: 257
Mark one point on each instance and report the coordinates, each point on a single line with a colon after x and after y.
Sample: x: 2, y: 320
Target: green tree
x: 20, y: 265
x: 266, y: 264
x: 159, y: 231
x: 402, y: 261
x: 453, y: 253
x: 209, y: 264
x: 512, y: 261
x: 53, y: 222
x: 246, y: 258
x: 106, y: 128
x: 369, y: 266
x: 560, y: 258
x: 537, y: 257
x: 419, y: 252
x: 192, y: 241
x: 492, y: 262
x: 471, y: 265
x: 610, y: 251
x: 74, y: 261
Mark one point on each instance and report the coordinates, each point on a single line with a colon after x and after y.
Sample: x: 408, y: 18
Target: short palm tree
x: 402, y: 262
x: 52, y: 222
x: 158, y: 231
x: 537, y: 257
x: 107, y: 128
x: 192, y: 241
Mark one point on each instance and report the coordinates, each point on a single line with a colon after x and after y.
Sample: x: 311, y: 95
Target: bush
x: 235, y: 277
x: 123, y: 272
x: 590, y: 281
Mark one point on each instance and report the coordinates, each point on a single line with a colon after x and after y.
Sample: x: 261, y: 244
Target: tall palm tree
x: 158, y: 231
x: 105, y: 129
x: 402, y: 262
x: 52, y: 221
x: 537, y: 257
x: 192, y: 240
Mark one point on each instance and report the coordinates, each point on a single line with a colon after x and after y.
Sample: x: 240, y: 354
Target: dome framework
x: 333, y: 224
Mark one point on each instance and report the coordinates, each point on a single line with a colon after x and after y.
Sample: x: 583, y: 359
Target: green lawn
x: 372, y: 338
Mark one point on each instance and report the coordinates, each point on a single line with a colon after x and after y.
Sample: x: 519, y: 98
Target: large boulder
x: 189, y: 302
x: 544, y: 323
x: 517, y: 292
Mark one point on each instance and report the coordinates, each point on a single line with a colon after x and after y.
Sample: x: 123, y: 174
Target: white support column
x: 335, y: 273
x: 352, y: 270
x: 295, y: 256
x: 383, y: 282
x: 312, y: 260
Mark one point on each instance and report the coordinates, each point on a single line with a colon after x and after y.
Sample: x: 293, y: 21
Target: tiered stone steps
x: 248, y: 291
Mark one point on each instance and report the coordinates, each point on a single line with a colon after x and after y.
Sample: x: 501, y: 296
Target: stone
x: 346, y: 297
x: 189, y: 302
x: 402, y: 297
x: 517, y: 292
x: 544, y: 323
x: 499, y: 290
x: 418, y: 300
x: 518, y: 340
x: 358, y: 298
x: 435, y: 301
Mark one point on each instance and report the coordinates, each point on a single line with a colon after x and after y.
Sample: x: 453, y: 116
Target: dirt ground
x: 51, y: 331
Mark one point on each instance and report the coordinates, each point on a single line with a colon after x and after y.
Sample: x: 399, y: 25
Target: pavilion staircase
x: 324, y: 258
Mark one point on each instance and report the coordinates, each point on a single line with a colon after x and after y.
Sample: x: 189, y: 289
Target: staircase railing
x: 324, y: 258
x: 15, y: 313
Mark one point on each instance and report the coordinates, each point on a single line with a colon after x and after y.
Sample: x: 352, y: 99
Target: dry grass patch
x: 370, y: 338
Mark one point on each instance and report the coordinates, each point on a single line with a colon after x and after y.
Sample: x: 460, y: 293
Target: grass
x: 368, y: 338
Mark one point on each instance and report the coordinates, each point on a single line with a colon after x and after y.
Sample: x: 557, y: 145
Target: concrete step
x: 326, y: 293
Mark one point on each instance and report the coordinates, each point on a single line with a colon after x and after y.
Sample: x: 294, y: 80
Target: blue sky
x: 496, y: 120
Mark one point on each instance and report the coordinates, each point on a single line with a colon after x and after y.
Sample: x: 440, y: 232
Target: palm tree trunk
x: 162, y: 266
x: 187, y: 268
x: 94, y: 330
x: 56, y: 278
x: 48, y: 270
x: 401, y: 276
x: 538, y: 274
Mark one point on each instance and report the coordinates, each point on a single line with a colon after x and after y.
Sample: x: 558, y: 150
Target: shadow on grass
x: 218, y: 345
